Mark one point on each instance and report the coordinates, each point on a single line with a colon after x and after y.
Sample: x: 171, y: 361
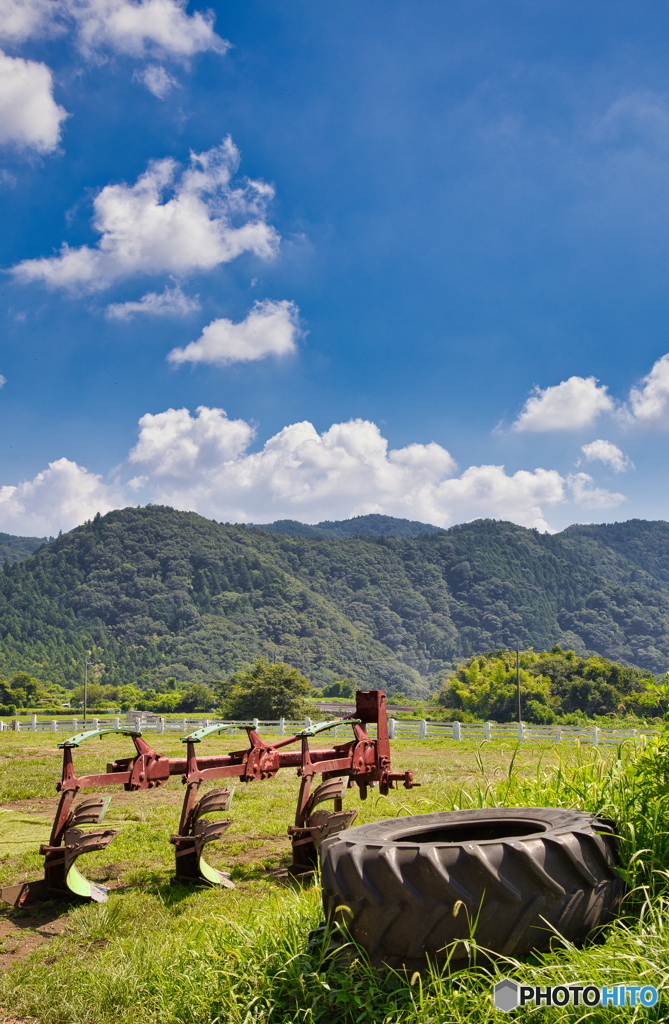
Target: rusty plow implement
x: 362, y: 761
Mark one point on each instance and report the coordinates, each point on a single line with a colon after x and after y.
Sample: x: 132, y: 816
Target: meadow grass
x: 164, y: 954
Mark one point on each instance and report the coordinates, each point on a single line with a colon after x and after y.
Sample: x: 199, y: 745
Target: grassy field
x: 164, y: 954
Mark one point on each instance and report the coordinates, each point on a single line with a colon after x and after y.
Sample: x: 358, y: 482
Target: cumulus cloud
x: 3, y: 381
x: 136, y: 28
x: 58, y: 498
x: 154, y: 27
x: 157, y: 80
x: 269, y: 329
x: 30, y: 118
x: 170, y: 221
x: 588, y: 496
x: 608, y: 453
x: 175, y: 446
x: 28, y: 19
x: 170, y: 302
x: 570, y: 405
x: 204, y: 462
x: 649, y: 402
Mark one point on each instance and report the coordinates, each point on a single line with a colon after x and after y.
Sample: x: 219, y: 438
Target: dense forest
x: 15, y: 549
x: 152, y: 593
x: 373, y: 525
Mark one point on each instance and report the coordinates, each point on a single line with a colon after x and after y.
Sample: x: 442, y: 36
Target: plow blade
x: 307, y: 838
x: 62, y: 879
x: 191, y: 866
x: 61, y: 873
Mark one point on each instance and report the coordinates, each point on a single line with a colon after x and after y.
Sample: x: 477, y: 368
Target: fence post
x: 391, y: 728
x: 595, y: 736
x: 75, y: 724
x: 96, y: 723
x: 486, y: 732
x: 160, y: 725
x: 282, y: 727
x: 117, y: 723
x: 307, y: 723
x: 456, y: 731
x: 521, y: 732
x: 53, y: 726
x: 422, y: 729
x: 184, y: 726
x: 255, y: 724
x: 33, y: 723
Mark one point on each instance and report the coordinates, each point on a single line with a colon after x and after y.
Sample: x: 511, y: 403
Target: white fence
x: 397, y: 728
x: 515, y: 731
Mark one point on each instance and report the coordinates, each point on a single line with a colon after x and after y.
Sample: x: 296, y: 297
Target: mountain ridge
x: 159, y: 592
x: 372, y: 525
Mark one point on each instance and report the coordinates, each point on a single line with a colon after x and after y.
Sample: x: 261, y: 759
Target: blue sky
x: 309, y: 260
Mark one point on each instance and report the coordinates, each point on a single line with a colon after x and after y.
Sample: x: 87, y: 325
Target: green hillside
x: 373, y: 525
x: 163, y: 593
x: 15, y: 549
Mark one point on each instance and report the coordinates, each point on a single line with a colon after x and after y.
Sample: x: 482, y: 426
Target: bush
x: 197, y: 697
x: 342, y: 688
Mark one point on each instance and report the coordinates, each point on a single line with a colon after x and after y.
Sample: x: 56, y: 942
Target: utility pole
x: 86, y: 664
x: 518, y: 678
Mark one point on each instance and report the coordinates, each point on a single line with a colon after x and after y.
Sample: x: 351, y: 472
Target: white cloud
x: 157, y: 80
x: 3, y: 380
x: 203, y: 462
x: 650, y: 401
x: 570, y: 405
x: 58, y: 498
x: 204, y: 222
x: 170, y: 302
x: 30, y: 118
x: 27, y: 19
x: 608, y: 453
x: 268, y: 330
x: 136, y: 28
x: 587, y: 496
x: 175, y: 446
x: 488, y: 492
x: 155, y: 27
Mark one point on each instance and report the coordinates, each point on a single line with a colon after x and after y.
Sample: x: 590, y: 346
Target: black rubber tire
x: 416, y: 884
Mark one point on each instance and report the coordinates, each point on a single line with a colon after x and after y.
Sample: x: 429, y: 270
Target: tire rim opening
x: 473, y: 832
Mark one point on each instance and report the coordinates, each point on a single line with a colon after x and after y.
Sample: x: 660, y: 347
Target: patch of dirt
x: 120, y: 800
x: 20, y: 934
x: 33, y: 805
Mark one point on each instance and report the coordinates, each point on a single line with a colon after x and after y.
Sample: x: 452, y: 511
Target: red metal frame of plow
x: 362, y: 761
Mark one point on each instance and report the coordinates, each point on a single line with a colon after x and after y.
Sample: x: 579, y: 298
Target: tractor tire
x: 407, y: 889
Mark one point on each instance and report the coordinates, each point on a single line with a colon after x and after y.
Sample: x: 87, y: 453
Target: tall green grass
x: 169, y: 956
x: 630, y: 787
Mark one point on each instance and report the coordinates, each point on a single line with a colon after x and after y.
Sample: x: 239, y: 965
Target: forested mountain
x: 14, y: 549
x: 157, y: 592
x: 373, y: 525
